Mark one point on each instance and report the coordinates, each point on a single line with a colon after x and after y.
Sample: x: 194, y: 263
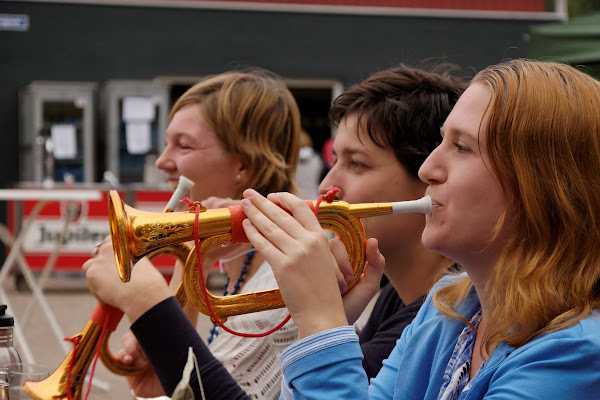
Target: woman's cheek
x: 187, y: 167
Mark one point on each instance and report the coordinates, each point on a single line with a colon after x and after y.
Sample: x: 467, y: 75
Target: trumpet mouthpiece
x: 420, y: 206
x: 183, y: 187
x: 185, y: 183
x: 367, y: 210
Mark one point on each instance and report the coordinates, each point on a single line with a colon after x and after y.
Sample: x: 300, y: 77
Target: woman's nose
x: 331, y: 180
x: 164, y: 162
x: 432, y: 170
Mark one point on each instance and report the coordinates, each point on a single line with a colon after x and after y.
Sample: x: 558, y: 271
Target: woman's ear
x: 241, y: 177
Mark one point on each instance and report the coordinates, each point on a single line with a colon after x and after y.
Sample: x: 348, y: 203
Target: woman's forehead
x: 468, y: 113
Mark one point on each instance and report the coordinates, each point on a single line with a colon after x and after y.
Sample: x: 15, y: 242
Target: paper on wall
x: 64, y: 141
x: 138, y: 109
x: 137, y: 135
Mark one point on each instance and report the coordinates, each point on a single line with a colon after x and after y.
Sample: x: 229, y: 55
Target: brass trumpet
x: 66, y: 382
x: 137, y: 233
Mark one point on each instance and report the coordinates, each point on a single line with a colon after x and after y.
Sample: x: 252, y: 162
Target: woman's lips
x: 435, y: 204
x: 172, y: 181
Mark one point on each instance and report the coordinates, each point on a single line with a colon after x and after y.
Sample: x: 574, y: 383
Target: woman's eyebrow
x: 458, y: 134
x: 349, y: 152
x: 183, y: 135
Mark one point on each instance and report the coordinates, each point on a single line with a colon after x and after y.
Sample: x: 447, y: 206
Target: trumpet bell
x: 136, y: 234
x: 119, y: 234
x: 51, y: 388
x: 66, y: 382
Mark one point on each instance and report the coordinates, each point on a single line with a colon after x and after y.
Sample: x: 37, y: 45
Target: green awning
x: 573, y: 42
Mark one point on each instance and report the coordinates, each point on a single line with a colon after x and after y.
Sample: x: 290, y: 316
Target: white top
x: 308, y: 173
x: 50, y: 194
x: 254, y: 362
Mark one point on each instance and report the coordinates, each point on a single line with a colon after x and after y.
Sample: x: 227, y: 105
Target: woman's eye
x: 461, y: 148
x: 357, y: 165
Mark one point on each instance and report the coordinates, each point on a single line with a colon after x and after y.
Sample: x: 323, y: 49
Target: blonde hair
x: 543, y: 140
x: 256, y: 118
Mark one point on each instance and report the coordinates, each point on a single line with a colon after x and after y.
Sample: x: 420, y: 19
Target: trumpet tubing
x: 348, y: 229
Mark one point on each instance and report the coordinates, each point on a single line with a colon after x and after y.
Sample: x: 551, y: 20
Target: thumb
x: 375, y: 264
x: 132, y: 352
x: 357, y: 299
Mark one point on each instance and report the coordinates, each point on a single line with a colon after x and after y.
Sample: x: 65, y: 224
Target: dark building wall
x: 95, y: 43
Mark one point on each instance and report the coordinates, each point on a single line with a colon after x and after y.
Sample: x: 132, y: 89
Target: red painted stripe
x: 74, y: 262
x: 161, y: 196
x: 490, y: 5
x: 96, y: 210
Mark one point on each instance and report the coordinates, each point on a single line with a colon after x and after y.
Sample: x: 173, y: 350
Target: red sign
x: 88, y: 225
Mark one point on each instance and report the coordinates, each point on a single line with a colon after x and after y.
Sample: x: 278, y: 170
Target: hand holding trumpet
x: 305, y: 268
x: 146, y: 288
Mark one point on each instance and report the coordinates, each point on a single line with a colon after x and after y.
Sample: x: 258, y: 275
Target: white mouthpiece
x: 421, y: 206
x: 110, y: 178
x: 183, y: 187
x: 185, y: 183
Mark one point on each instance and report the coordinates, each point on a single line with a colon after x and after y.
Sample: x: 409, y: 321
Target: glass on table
x: 16, y: 375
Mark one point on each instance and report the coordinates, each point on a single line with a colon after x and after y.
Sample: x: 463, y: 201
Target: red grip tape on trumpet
x: 107, y: 316
x: 237, y: 231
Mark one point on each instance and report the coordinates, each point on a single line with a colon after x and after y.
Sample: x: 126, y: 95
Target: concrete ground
x: 72, y: 308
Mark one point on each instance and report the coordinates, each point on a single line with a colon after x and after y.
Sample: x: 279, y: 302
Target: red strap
x: 106, y: 315
x: 237, y: 217
x: 108, y: 326
x: 75, y: 340
x: 330, y: 196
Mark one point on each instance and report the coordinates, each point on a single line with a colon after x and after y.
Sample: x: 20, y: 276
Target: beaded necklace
x: 214, y: 331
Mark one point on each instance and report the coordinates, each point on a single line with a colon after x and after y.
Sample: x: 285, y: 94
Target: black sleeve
x: 165, y: 334
x: 384, y: 327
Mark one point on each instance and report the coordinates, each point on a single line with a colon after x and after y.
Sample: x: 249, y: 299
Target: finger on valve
x: 301, y: 212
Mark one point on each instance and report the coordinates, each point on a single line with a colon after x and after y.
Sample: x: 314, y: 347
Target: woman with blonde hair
x: 516, y: 202
x: 228, y: 132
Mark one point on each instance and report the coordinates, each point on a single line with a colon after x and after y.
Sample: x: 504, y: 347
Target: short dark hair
x: 402, y: 108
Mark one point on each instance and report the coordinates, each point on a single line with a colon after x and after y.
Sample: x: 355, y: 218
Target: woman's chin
x: 432, y: 240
